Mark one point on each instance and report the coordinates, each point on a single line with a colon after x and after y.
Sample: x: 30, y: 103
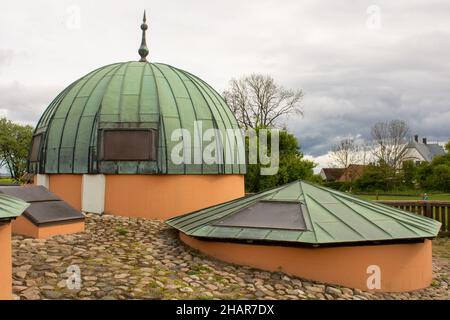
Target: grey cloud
x: 26, y: 103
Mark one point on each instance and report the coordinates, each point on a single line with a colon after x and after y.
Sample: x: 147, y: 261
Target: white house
x: 422, y: 151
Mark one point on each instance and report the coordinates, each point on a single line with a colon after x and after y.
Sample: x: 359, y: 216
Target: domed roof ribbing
x: 128, y: 96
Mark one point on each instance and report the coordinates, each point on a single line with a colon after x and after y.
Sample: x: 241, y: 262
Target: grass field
x: 441, y: 196
x: 5, y: 180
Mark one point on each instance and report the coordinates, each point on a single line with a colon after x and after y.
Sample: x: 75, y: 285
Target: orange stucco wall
x: 25, y: 227
x: 5, y: 262
x: 165, y: 196
x: 404, y: 267
x: 67, y: 187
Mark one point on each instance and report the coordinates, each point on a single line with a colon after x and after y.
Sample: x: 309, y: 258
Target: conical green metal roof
x: 324, y: 216
x: 129, y: 95
x: 11, y: 207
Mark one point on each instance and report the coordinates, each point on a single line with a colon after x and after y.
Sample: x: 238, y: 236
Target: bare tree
x: 365, y: 152
x: 345, y: 152
x: 389, y: 138
x: 257, y: 101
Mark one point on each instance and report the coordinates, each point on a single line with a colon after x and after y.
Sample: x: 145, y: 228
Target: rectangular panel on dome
x: 267, y: 215
x: 129, y: 145
x: 35, y: 148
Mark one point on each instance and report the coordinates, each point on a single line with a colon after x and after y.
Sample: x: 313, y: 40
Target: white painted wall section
x: 93, y: 193
x: 43, y: 180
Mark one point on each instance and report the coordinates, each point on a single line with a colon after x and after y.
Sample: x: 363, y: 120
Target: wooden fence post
x: 428, y: 210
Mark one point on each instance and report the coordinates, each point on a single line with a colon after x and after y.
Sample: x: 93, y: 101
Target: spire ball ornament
x: 143, y: 49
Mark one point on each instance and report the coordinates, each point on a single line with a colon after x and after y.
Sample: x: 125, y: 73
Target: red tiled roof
x: 352, y: 172
x: 333, y: 174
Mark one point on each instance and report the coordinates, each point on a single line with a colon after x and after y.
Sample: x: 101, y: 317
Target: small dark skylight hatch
x: 45, y: 207
x: 285, y: 215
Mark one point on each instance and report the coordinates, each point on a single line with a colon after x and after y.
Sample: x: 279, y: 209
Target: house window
x: 35, y: 148
x: 129, y: 145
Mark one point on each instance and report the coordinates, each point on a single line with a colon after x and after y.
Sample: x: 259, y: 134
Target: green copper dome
x: 132, y: 97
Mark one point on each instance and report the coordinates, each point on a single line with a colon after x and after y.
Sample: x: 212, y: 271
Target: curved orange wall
x: 5, y: 262
x: 404, y: 267
x: 166, y: 196
x: 67, y: 187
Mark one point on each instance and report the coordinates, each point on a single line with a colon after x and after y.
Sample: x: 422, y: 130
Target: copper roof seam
x: 67, y: 90
x: 140, y: 93
x: 127, y: 64
x: 82, y: 112
x: 15, y: 205
x: 49, y: 120
x: 306, y: 217
x: 85, y: 79
x: 280, y: 188
x: 138, y: 111
x: 177, y: 107
x: 381, y: 208
x: 339, y: 218
x: 224, y: 107
x: 194, y: 82
x: 309, y: 215
x: 177, y: 72
x: 364, y: 217
x: 93, y: 135
x: 406, y: 227
x: 378, y: 206
x: 397, y: 216
x: 165, y: 153
x: 161, y: 119
x: 61, y: 96
x: 49, y: 111
x: 324, y: 230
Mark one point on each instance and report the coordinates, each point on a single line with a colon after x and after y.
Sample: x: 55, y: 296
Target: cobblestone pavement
x: 128, y: 258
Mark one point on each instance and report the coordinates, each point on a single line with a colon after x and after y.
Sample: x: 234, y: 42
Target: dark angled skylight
x: 268, y: 215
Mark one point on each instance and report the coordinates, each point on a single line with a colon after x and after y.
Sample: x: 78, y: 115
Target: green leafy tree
x: 424, y: 170
x: 372, y: 179
x: 435, y: 176
x: 409, y: 171
x: 447, y: 146
x: 15, y: 140
x: 380, y: 177
x: 292, y: 166
x: 440, y: 179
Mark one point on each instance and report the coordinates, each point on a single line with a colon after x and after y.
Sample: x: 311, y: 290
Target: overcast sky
x: 358, y: 62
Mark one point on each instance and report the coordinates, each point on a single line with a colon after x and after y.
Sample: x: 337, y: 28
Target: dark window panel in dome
x: 128, y: 145
x: 35, y: 148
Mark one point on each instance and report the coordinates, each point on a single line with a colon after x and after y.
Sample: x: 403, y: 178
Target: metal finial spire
x: 143, y: 50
